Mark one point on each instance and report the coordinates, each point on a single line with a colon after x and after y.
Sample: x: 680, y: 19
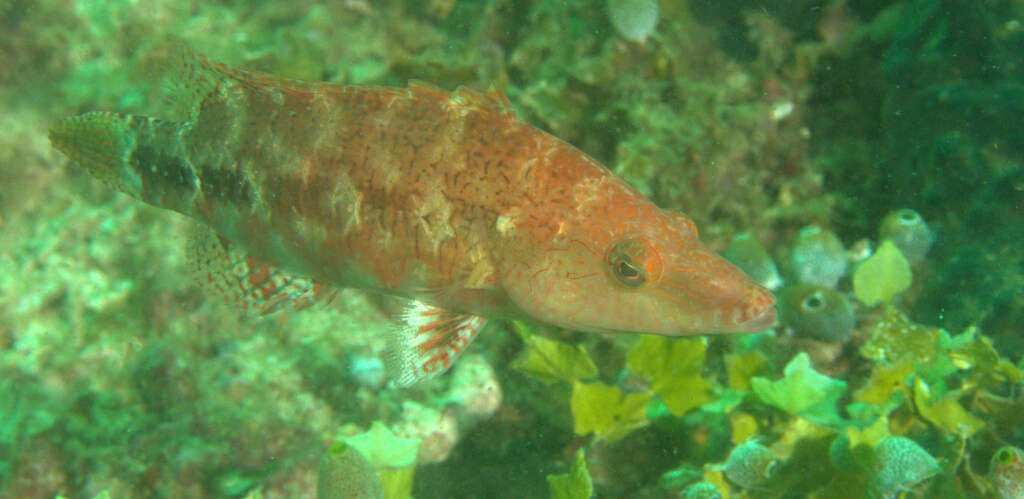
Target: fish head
x: 636, y: 270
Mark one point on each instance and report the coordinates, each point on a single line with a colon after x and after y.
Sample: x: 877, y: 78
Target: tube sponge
x: 909, y: 232
x: 345, y: 473
x: 747, y: 253
x: 817, y: 312
x: 818, y: 257
x: 899, y: 464
x: 633, y: 19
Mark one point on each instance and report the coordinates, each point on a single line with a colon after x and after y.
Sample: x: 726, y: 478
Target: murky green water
x: 863, y: 159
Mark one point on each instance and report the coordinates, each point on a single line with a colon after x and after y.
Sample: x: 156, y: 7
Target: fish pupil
x: 621, y: 262
x: 626, y: 272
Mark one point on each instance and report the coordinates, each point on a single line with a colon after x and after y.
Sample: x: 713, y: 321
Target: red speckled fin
x: 225, y: 270
x: 428, y: 342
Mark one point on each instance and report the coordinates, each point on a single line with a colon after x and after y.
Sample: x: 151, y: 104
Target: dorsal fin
x: 467, y: 99
x: 251, y: 286
x: 191, y: 78
x: 188, y: 76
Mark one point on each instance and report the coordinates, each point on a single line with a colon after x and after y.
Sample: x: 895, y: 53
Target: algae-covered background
x: 869, y: 151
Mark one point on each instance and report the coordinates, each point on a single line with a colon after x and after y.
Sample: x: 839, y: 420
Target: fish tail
x: 139, y: 156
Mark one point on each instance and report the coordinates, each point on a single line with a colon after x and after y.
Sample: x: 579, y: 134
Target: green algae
x: 803, y: 392
x: 574, y: 484
x: 606, y: 411
x: 743, y: 366
x: 674, y: 369
x: 383, y: 449
x: 887, y: 382
x: 945, y: 411
x: 549, y: 361
x: 882, y: 276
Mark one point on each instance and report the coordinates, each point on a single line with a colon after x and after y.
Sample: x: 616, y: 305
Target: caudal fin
x: 100, y: 142
x: 139, y: 156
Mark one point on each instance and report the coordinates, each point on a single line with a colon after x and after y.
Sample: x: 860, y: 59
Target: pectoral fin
x: 428, y: 341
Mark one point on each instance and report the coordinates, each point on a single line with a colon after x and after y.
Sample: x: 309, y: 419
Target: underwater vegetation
x: 861, y: 158
x: 633, y: 19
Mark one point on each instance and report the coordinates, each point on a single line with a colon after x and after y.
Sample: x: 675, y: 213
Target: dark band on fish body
x: 225, y: 185
x: 162, y: 173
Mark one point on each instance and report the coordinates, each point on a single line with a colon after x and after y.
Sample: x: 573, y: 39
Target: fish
x: 444, y: 199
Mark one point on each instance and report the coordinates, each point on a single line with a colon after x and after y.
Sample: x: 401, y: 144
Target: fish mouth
x: 759, y: 323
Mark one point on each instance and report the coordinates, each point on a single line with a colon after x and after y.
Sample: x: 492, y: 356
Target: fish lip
x: 759, y: 323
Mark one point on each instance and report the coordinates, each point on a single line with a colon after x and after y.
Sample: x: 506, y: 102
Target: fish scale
x: 443, y: 198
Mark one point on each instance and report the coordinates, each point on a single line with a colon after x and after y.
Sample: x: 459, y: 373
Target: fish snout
x: 744, y: 306
x: 756, y: 312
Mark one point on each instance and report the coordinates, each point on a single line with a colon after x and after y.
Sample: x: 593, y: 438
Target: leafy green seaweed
x: 673, y: 367
x: 605, y: 411
x: 803, y: 392
x: 575, y: 484
x: 882, y: 276
x: 383, y: 449
x: 549, y: 361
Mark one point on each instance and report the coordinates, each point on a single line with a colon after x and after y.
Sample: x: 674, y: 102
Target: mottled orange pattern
x: 443, y: 197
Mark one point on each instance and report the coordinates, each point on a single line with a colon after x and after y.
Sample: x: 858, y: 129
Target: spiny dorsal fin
x: 191, y: 78
x: 188, y: 77
x: 467, y: 99
x: 428, y: 341
x: 223, y: 269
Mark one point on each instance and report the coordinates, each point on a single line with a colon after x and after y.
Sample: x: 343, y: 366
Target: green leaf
x: 725, y: 402
x: 868, y: 435
x: 976, y: 354
x: 382, y: 449
x: 895, y: 337
x: 803, y: 392
x: 603, y: 410
x: 885, y: 381
x: 741, y: 367
x: 945, y: 411
x: 673, y: 367
x: 549, y: 361
x: 575, y: 484
x: 396, y: 483
x: 883, y: 276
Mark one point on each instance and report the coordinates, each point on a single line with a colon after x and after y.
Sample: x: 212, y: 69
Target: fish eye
x: 626, y: 271
x: 623, y: 265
